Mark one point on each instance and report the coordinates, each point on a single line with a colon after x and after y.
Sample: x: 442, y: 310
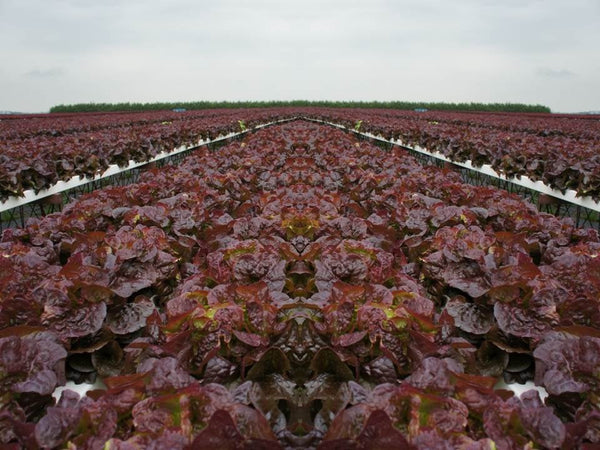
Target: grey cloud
x: 45, y: 73
x: 548, y: 72
x: 63, y: 51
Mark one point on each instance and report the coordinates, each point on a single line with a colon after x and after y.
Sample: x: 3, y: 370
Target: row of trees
x: 439, y: 106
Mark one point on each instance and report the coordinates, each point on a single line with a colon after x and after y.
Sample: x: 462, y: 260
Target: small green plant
x: 357, y: 125
x: 242, y: 125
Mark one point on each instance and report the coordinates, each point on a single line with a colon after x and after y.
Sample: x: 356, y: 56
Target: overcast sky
x: 71, y: 51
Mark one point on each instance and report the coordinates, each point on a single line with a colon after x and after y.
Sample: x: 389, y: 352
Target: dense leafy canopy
x: 299, y: 289
x: 559, y: 150
x: 88, y: 107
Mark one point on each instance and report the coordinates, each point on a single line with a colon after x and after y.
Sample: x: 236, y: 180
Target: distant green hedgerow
x: 437, y: 106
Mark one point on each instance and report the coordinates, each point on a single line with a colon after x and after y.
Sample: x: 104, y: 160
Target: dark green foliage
x: 439, y: 106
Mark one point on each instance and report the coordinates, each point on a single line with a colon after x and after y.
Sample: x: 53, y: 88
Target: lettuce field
x: 299, y: 287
